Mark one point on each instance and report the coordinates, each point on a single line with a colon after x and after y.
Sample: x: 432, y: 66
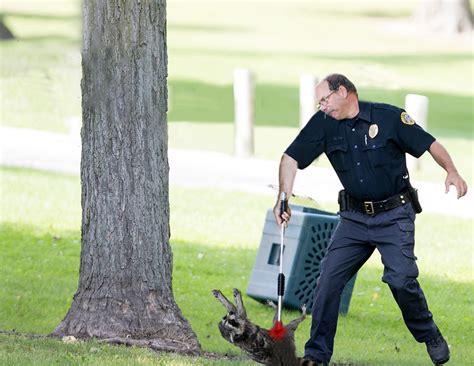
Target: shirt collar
x: 365, y: 109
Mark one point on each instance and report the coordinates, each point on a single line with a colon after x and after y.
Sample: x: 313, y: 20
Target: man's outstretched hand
x: 454, y: 179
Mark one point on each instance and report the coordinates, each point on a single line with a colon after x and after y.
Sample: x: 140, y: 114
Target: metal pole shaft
x: 282, y: 236
x: 281, y: 276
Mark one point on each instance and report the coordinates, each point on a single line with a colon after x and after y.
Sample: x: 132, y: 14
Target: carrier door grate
x: 320, y: 238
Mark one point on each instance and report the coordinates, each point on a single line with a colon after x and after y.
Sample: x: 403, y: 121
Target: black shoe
x: 438, y: 350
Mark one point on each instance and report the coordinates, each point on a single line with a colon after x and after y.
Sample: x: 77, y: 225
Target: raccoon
x: 255, y: 341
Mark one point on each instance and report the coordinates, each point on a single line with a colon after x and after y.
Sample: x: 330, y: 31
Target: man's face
x: 329, y: 101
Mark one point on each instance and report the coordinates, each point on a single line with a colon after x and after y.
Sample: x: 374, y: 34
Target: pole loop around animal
x: 261, y: 345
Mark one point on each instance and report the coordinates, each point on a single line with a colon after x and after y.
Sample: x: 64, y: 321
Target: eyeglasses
x: 325, y: 99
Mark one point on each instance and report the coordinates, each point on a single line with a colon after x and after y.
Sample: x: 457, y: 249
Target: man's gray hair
x: 336, y: 80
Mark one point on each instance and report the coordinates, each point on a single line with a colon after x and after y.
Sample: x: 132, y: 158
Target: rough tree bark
x: 445, y: 16
x: 125, y: 289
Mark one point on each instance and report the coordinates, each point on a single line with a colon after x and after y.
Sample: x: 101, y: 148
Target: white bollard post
x: 417, y: 107
x: 244, y: 107
x: 307, y: 98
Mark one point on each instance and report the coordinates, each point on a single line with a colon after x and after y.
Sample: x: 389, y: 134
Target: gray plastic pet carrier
x: 306, y: 240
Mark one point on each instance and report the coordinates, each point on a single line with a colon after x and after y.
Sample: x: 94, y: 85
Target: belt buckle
x: 369, y: 207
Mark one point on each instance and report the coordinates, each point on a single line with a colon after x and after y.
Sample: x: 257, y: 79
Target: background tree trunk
x: 445, y: 16
x: 125, y: 288
x: 5, y: 33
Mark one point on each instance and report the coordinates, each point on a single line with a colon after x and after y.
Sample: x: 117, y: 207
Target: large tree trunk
x: 445, y: 16
x: 125, y: 288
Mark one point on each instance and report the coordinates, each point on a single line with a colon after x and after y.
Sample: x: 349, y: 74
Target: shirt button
x: 355, y: 146
x: 358, y: 163
x: 353, y: 129
x: 362, y: 181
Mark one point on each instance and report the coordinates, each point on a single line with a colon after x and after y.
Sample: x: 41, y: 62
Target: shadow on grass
x: 38, y: 276
x: 197, y: 101
x: 384, y: 59
x: 32, y: 349
x: 39, y: 273
x: 278, y: 105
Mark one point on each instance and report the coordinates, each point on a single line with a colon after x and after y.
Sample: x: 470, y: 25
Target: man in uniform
x: 366, y: 145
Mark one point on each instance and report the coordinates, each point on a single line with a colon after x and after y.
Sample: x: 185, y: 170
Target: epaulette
x: 387, y: 107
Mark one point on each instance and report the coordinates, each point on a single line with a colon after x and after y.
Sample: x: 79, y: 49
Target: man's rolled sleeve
x: 308, y: 145
x: 412, y: 138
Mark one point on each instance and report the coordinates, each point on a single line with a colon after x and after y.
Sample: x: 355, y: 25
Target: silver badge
x: 373, y: 130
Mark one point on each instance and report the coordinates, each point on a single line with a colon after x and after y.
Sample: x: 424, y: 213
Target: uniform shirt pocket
x: 338, y: 156
x: 377, y: 152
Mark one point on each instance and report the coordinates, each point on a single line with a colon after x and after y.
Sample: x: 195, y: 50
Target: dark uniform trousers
x: 353, y: 242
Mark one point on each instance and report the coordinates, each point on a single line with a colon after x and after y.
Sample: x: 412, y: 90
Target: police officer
x: 366, y: 145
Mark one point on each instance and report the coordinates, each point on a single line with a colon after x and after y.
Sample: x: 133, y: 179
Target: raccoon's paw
x: 216, y: 293
x: 270, y: 303
x: 236, y: 292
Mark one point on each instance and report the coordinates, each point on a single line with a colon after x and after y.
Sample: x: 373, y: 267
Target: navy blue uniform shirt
x: 369, y: 168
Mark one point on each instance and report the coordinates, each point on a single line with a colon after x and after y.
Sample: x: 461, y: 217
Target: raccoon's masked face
x: 231, y: 326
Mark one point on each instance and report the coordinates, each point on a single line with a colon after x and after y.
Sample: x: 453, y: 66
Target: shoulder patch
x: 406, y: 119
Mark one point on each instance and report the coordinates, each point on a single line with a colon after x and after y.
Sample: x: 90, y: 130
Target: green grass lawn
x: 40, y: 244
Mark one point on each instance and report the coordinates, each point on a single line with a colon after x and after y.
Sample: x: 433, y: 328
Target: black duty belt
x: 374, y: 207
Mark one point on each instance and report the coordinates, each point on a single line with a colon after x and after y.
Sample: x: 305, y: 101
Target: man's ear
x: 343, y: 91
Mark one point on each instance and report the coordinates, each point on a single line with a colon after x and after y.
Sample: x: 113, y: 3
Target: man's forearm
x: 441, y: 156
x: 287, y: 174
